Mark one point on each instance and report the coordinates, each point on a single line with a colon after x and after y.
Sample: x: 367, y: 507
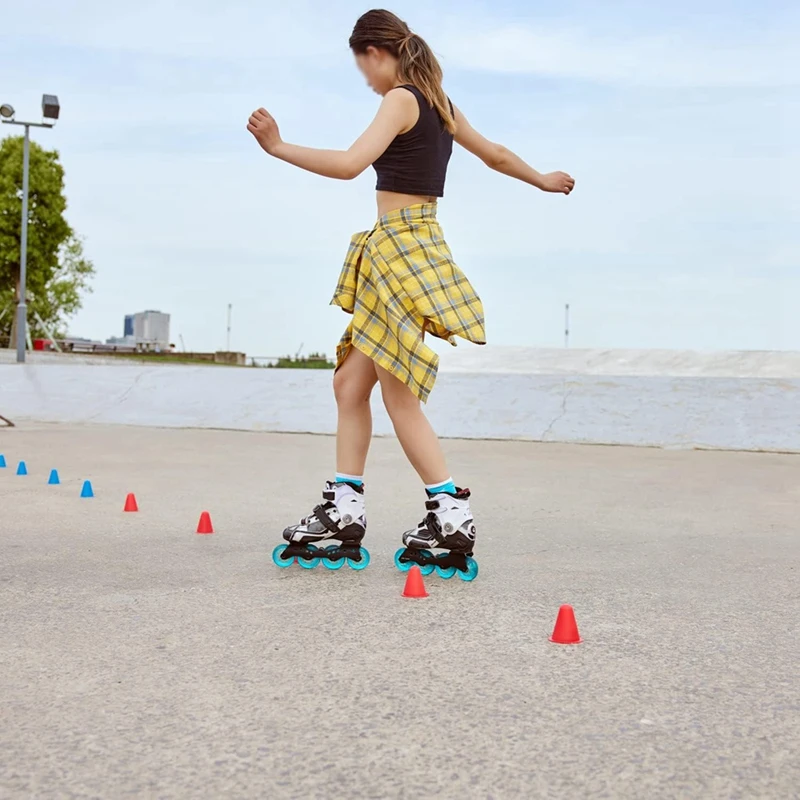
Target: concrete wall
x: 748, y: 413
x: 664, y: 363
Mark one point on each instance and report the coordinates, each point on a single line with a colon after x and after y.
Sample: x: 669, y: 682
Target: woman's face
x: 379, y: 68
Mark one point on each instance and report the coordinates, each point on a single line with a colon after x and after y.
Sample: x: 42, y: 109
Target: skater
x: 398, y: 282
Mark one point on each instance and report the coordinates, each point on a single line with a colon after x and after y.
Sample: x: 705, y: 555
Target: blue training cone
x: 22, y: 469
x: 53, y: 479
x: 2, y: 461
x: 86, y: 491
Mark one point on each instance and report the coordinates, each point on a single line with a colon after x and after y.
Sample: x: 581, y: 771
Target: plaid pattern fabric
x: 399, y: 281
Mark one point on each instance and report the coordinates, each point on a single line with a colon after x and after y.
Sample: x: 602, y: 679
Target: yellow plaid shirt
x: 399, y: 281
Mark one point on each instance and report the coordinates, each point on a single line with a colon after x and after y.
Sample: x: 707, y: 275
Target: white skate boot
x: 448, y: 524
x: 340, y: 516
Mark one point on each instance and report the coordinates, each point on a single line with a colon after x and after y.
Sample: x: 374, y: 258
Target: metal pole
x: 566, y: 325
x: 22, y: 315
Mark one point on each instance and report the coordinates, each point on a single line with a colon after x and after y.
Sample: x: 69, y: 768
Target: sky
x: 679, y: 121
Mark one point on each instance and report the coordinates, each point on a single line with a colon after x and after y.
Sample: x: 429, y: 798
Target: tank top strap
x: 411, y: 88
x: 421, y: 97
x: 423, y: 103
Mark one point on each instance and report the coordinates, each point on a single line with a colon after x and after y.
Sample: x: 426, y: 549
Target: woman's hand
x: 558, y: 182
x: 263, y: 126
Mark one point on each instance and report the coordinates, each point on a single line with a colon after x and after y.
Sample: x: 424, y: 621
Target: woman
x: 399, y: 282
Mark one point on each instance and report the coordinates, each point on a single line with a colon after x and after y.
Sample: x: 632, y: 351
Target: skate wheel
x: 363, y: 563
x: 426, y: 569
x: 403, y: 566
x: 472, y: 570
x: 445, y: 572
x: 281, y: 562
x: 329, y: 562
x: 309, y: 563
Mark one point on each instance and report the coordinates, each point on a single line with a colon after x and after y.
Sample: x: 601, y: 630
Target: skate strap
x: 431, y: 505
x: 321, y: 513
x: 434, y: 526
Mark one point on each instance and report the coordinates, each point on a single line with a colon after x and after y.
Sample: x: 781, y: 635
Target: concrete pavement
x: 140, y: 659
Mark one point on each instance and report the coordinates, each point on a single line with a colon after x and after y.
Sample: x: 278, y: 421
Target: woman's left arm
x: 394, y: 115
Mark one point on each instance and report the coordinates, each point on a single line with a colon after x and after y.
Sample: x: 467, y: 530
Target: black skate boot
x: 449, y: 525
x: 340, y: 516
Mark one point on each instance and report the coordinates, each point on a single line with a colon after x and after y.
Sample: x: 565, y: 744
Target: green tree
x: 57, y: 271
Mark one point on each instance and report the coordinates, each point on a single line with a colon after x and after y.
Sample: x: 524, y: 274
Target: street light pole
x: 22, y: 308
x: 50, y: 111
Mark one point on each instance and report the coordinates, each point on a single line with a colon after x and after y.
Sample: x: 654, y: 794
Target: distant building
x: 146, y: 330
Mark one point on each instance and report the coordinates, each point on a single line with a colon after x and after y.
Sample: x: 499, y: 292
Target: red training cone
x: 204, y: 526
x: 415, y: 587
x: 130, y: 503
x: 566, y: 629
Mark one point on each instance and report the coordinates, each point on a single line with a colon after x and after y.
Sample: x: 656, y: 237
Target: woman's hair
x: 417, y: 63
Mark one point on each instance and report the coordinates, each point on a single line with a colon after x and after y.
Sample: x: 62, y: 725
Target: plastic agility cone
x: 22, y: 469
x: 2, y: 461
x: 86, y: 490
x: 566, y: 629
x: 130, y: 503
x: 204, y: 526
x: 53, y: 480
x: 415, y: 586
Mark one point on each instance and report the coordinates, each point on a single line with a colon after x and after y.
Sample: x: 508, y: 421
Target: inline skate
x: 340, y: 516
x: 449, y: 525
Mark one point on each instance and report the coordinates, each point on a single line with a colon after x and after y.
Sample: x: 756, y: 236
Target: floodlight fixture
x: 50, y: 107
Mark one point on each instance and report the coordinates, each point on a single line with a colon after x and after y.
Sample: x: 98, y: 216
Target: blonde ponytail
x: 420, y: 67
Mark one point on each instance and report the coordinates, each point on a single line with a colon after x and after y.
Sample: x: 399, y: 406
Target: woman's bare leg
x: 417, y: 437
x: 352, y: 385
x: 448, y: 523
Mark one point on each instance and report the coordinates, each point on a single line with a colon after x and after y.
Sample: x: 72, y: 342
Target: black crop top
x: 416, y: 161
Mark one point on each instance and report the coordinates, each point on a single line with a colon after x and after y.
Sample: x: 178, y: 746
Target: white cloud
x: 668, y: 59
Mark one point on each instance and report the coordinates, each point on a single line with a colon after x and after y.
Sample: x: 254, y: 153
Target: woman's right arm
x: 501, y: 159
x: 398, y: 112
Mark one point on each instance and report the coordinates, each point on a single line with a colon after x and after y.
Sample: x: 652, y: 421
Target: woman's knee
x: 351, y: 388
